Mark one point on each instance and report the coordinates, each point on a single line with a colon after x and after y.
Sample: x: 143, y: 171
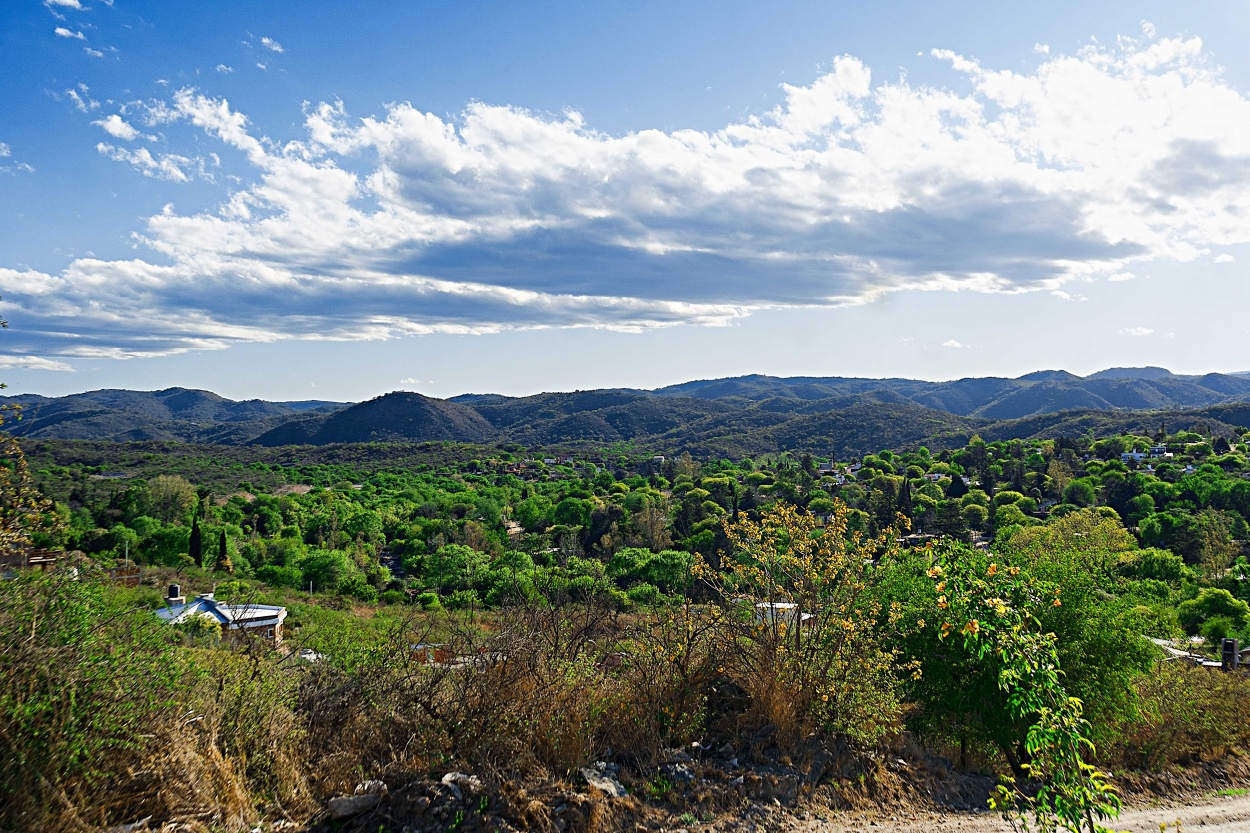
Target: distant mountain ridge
x: 744, y: 415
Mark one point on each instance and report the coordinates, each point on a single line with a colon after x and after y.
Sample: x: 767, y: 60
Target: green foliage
x: 992, y: 611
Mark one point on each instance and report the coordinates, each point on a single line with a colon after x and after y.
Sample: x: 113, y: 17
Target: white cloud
x: 81, y: 98
x: 1041, y: 49
x: 408, y: 222
x: 224, y: 68
x: 1148, y: 29
x: 272, y: 45
x: 62, y: 32
x: 166, y: 166
x: 411, y: 381
x: 951, y: 343
x: 94, y: 53
x: 64, y: 4
x: 5, y: 150
x: 33, y: 363
x: 1136, y: 331
x: 118, y: 128
x: 1224, y: 258
x: 261, y: 66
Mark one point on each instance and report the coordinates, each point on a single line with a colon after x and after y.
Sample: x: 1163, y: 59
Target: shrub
x: 829, y: 671
x: 1187, y: 714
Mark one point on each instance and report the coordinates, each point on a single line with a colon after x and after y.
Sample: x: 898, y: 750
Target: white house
x: 261, y: 620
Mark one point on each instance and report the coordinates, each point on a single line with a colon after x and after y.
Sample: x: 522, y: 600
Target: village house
x: 264, y: 621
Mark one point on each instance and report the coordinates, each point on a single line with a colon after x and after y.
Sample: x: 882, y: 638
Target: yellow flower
x: 972, y: 627
x: 1056, y: 603
x: 992, y: 570
x: 935, y: 571
x: 942, y: 602
x: 946, y: 629
x: 941, y: 586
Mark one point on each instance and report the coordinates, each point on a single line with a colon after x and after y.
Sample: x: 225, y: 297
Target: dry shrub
x: 657, y: 685
x: 803, y: 633
x: 547, y: 689
x: 1187, y: 714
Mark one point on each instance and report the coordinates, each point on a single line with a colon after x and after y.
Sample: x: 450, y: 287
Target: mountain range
x: 739, y: 416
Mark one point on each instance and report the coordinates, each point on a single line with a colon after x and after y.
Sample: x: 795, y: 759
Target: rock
x: 133, y: 827
x: 346, y: 806
x: 604, y: 781
x: 468, y: 783
x: 678, y: 772
x: 372, y: 788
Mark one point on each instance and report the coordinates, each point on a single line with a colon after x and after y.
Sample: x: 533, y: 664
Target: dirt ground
x: 1213, y: 815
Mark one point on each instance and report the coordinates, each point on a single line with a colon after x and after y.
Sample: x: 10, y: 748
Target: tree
x: 224, y: 565
x: 1079, y: 492
x: 1213, y: 602
x: 25, y: 514
x: 195, y: 546
x: 172, y: 498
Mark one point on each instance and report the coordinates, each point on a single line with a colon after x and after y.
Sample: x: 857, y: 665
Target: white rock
x: 346, y: 806
x: 605, y: 782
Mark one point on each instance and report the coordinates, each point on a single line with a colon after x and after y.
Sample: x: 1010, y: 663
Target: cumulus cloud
x: 409, y: 222
x: 951, y: 343
x: 94, y: 53
x: 224, y: 68
x: 272, y: 45
x: 5, y: 150
x: 64, y: 4
x: 118, y: 128
x: 1136, y: 331
x: 1224, y: 258
x: 62, y: 32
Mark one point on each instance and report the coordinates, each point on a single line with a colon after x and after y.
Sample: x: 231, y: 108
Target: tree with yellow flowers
x: 802, y: 625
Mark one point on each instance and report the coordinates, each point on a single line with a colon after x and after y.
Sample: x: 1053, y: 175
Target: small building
x: 784, y: 612
x: 1133, y: 456
x: 264, y: 621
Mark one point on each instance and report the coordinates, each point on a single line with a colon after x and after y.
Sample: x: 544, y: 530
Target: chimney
x: 175, y: 596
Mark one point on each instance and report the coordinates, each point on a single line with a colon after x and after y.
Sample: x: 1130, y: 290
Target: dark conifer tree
x: 904, y: 499
x: 223, y: 556
x: 195, y: 547
x: 957, y: 488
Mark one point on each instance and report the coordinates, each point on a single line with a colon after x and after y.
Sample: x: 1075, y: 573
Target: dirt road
x: 1218, y: 815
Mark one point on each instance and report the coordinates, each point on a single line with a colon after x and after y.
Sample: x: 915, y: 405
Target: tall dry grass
x: 104, y: 719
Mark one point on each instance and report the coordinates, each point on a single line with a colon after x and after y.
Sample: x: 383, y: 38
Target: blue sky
x: 333, y: 200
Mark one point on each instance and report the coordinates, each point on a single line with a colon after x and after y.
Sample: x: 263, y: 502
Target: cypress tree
x: 223, y: 556
x: 195, y: 548
x: 904, y: 499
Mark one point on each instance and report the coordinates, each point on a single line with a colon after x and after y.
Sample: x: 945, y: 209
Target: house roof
x: 230, y: 615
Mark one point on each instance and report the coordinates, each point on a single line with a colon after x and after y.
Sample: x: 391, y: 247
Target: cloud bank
x: 407, y: 223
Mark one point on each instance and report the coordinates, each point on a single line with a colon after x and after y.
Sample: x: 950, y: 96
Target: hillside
x: 395, y: 417
x: 737, y: 417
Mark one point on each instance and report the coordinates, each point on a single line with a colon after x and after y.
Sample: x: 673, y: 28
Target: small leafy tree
x: 993, y: 612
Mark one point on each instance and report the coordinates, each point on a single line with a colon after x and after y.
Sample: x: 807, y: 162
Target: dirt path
x: 1219, y: 815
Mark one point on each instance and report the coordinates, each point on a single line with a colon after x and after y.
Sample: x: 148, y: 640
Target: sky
x: 331, y: 200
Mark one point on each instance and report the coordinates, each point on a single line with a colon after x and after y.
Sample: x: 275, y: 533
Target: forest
x: 1001, y: 605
